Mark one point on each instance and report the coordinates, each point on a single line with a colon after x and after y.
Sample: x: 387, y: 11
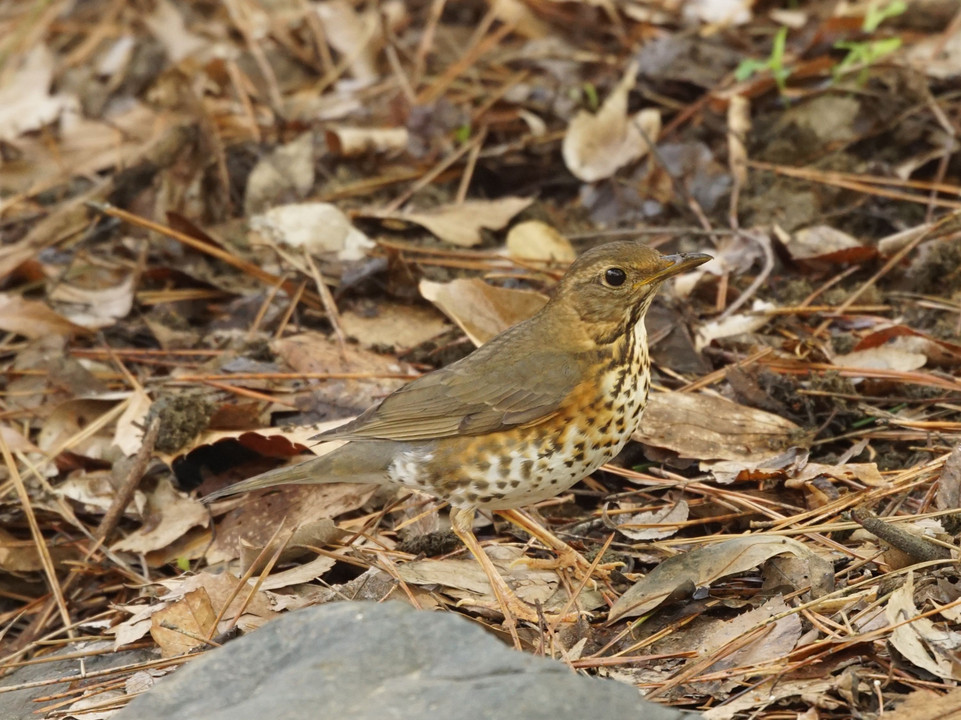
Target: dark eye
x: 614, y: 276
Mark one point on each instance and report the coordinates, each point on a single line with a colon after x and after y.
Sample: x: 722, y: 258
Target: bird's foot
x: 568, y: 558
x: 514, y: 609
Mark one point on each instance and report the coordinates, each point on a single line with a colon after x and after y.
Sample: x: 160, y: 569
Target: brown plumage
x: 523, y: 417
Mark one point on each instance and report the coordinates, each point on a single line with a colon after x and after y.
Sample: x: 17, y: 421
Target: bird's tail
x: 360, y: 462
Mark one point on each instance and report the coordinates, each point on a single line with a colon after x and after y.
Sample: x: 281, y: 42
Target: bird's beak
x: 675, y: 265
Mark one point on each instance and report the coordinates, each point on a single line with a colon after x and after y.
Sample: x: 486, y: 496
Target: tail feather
x: 359, y: 462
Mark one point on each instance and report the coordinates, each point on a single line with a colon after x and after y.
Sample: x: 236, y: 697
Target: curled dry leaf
x: 352, y: 141
x: 686, y: 423
x: 460, y: 224
x: 701, y: 567
x: 535, y: 240
x: 929, y: 646
x: 597, y: 144
x: 314, y: 227
x: 479, y: 309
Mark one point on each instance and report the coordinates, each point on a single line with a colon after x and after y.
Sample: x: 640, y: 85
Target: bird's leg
x: 513, y: 607
x: 567, y: 557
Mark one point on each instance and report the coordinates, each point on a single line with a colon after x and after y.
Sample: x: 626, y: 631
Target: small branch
x: 110, y: 520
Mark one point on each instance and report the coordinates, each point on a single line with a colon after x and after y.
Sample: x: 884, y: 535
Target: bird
x: 523, y: 417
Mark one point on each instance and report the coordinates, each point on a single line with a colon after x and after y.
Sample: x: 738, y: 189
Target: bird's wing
x: 481, y: 393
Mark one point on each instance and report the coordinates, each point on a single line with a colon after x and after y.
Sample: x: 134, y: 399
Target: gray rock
x: 367, y: 661
x: 37, y: 681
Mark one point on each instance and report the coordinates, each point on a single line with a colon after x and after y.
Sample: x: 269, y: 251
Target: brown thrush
x: 524, y: 416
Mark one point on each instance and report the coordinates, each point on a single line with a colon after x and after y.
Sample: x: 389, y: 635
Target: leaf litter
x: 251, y: 226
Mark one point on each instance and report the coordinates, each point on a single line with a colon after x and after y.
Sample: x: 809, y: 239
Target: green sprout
x: 774, y: 63
x: 868, y: 52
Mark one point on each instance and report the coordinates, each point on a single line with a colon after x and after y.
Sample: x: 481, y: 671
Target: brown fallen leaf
x: 460, y: 224
x: 824, y: 246
x: 635, y: 525
x: 32, y: 318
x: 932, y: 647
x: 183, y: 625
x: 597, y: 144
x: 400, y: 326
x: 168, y: 515
x: 687, y: 424
x: 479, y: 309
x: 699, y: 568
x: 927, y: 705
x: 535, y: 240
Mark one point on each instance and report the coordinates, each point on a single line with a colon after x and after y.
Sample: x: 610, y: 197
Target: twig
x: 134, y: 476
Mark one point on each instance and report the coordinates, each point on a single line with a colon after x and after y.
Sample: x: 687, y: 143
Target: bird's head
x: 610, y: 287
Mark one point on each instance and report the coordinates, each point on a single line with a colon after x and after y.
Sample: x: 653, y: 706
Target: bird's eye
x: 614, y: 276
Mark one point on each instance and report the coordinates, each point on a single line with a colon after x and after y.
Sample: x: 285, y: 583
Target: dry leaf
x: 687, y: 424
x: 461, y: 224
x: 597, y: 145
x: 927, y: 705
x: 184, y: 625
x: 733, y: 325
x: 32, y: 318
x: 95, y: 308
x: 825, y: 244
x: 395, y: 325
x: 633, y: 526
x: 881, y: 358
x: 949, y: 484
x: 479, y: 309
x: 929, y: 646
x: 699, y: 568
x: 25, y: 100
x: 314, y: 227
x: 352, y: 141
x: 167, y: 25
x: 718, y: 12
x: 168, y: 515
x: 286, y: 172
x: 535, y: 240
x: 299, y: 574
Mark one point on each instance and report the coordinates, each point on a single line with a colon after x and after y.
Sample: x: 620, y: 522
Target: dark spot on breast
x: 515, y: 483
x: 527, y: 467
x: 569, y: 463
x: 483, y: 465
